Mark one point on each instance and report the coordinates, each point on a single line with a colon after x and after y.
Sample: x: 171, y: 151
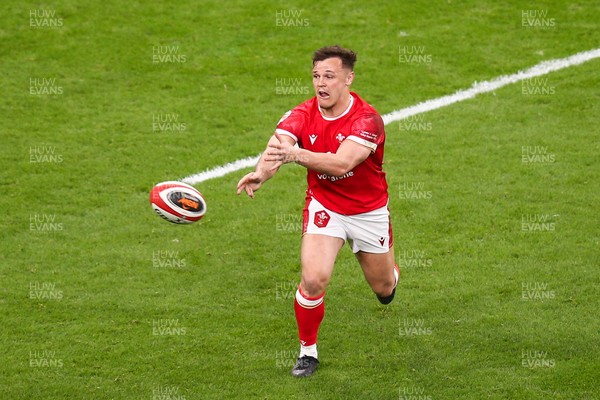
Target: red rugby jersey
x: 364, y: 188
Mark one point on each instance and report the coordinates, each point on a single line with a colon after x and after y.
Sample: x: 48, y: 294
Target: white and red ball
x: 177, y: 202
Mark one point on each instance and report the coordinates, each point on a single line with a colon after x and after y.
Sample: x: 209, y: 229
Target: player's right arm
x: 263, y: 171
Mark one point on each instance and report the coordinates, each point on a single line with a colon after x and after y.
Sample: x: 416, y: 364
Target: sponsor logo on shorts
x: 321, y: 218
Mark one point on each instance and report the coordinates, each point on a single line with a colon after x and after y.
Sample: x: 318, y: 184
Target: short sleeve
x: 292, y: 124
x: 368, y: 130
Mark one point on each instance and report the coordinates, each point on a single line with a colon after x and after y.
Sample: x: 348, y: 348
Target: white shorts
x: 370, y: 232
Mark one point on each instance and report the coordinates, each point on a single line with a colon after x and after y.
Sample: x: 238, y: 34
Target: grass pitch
x: 494, y: 203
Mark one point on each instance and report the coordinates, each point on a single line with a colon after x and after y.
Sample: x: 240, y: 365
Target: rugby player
x: 339, y: 138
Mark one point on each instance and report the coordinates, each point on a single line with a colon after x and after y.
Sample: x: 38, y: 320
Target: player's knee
x: 313, y: 285
x: 384, y: 287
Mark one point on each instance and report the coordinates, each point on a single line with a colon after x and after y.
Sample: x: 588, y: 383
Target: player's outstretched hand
x: 250, y: 183
x: 281, y: 153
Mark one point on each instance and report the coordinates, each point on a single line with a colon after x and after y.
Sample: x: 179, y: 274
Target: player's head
x: 333, y: 73
x: 347, y: 56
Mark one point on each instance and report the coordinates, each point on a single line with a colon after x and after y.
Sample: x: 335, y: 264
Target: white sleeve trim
x: 286, y: 133
x: 364, y: 142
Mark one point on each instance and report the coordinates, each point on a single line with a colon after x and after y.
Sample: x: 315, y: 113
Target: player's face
x: 331, y: 82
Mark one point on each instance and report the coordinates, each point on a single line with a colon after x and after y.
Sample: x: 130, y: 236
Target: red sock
x: 309, y: 314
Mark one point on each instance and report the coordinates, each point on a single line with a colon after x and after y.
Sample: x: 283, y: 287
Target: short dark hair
x: 347, y: 56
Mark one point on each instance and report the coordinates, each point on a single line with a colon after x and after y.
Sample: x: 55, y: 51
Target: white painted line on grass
x: 222, y: 170
x: 540, y: 69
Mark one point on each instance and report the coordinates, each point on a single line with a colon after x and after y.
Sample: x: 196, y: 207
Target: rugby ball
x: 177, y: 202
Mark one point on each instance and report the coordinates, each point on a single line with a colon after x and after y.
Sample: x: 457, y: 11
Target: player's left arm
x: 347, y: 157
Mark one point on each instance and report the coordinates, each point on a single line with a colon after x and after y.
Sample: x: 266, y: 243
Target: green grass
x: 229, y: 300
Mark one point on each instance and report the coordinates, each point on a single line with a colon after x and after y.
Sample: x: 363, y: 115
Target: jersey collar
x: 342, y: 114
